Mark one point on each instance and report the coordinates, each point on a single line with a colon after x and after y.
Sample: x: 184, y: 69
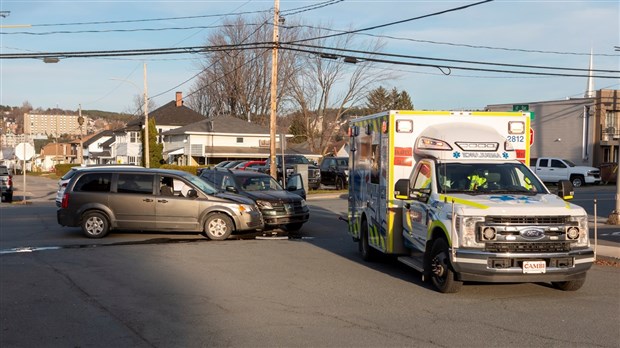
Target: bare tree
x: 237, y: 81
x: 325, y: 89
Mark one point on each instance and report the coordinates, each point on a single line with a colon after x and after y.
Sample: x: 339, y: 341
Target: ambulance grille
x: 528, y: 247
x: 528, y: 220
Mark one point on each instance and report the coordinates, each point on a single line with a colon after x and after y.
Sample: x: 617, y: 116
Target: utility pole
x: 274, y: 84
x: 80, y: 122
x: 147, y: 154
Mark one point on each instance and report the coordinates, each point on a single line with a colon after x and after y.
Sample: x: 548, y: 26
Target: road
x: 166, y: 290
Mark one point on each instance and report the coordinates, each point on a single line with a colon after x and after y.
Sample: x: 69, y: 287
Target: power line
x: 452, y: 60
x: 455, y: 44
x: 309, y: 7
x: 394, y: 23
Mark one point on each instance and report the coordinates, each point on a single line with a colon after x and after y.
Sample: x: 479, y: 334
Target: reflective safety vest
x: 476, y: 181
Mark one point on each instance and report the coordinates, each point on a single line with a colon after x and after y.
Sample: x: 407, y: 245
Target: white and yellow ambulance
x: 451, y: 195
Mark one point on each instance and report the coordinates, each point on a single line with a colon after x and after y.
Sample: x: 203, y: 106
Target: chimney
x: 179, y: 99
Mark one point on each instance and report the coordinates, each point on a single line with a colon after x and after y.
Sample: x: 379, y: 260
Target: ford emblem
x: 532, y: 234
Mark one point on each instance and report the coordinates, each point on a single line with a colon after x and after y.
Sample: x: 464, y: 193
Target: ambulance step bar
x: 415, y: 263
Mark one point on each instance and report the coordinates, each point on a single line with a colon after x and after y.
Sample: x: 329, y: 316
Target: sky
x: 536, y: 33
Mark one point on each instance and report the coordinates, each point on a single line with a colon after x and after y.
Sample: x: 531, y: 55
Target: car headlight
x: 466, y: 227
x: 264, y: 204
x: 303, y: 203
x: 583, y: 239
x: 346, y: 173
x: 246, y: 208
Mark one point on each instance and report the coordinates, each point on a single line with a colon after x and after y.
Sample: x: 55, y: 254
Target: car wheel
x: 571, y: 285
x: 368, y: 253
x: 95, y: 225
x: 218, y: 226
x: 442, y: 275
x: 577, y: 180
x: 294, y: 227
x: 339, y: 183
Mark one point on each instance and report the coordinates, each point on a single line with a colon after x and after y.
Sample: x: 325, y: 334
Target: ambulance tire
x: 571, y: 285
x: 368, y: 253
x: 442, y: 275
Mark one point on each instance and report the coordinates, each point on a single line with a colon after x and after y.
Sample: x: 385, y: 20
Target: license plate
x: 534, y: 267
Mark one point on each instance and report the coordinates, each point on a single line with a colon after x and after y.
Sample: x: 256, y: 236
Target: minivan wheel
x: 95, y: 225
x: 218, y: 226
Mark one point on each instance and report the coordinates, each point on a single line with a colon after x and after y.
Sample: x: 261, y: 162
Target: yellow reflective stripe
x: 449, y: 199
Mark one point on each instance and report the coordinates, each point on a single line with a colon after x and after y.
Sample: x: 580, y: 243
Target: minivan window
x: 94, y: 182
x: 135, y: 183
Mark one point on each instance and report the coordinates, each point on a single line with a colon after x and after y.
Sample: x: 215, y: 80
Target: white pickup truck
x: 551, y: 169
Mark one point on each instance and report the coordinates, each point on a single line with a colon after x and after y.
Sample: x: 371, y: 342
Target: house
x: 128, y: 147
x: 57, y: 153
x: 582, y: 130
x: 209, y: 142
x: 97, y: 148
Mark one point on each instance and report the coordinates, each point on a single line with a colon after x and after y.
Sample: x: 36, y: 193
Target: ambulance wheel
x: 368, y: 253
x: 571, y: 285
x: 442, y: 275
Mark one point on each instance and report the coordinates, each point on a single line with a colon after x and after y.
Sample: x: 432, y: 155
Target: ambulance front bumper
x: 477, y: 265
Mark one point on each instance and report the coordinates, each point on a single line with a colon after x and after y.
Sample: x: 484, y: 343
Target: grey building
x: 583, y: 130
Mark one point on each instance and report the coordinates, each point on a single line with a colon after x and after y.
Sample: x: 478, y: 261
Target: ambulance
x: 451, y: 195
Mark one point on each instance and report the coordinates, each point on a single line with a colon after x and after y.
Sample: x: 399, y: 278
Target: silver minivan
x: 141, y: 199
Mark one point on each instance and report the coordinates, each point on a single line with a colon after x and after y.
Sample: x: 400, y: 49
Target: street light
x: 147, y: 155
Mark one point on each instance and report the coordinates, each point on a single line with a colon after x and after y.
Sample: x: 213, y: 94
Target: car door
x: 176, y: 212
x: 295, y: 184
x: 133, y: 203
x: 328, y: 171
x: 543, y: 170
x: 416, y: 210
x: 559, y: 170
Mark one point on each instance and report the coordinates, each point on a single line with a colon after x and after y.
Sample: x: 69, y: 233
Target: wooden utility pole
x: 147, y: 154
x: 274, y: 84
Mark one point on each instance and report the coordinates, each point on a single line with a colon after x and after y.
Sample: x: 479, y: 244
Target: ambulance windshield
x: 486, y: 178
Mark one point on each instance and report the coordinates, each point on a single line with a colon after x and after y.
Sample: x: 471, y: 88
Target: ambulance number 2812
x: 515, y: 138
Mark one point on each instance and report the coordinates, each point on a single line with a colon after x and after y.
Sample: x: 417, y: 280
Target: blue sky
x: 571, y: 27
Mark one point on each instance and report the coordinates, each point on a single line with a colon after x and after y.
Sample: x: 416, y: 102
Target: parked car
x: 280, y: 207
x: 290, y: 161
x: 64, y: 180
x: 553, y: 170
x: 232, y: 164
x: 221, y: 164
x: 252, y: 165
x: 6, y: 184
x: 335, y: 171
x: 141, y: 199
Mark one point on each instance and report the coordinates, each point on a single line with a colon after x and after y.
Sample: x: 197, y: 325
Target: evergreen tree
x: 155, y: 149
x: 380, y: 100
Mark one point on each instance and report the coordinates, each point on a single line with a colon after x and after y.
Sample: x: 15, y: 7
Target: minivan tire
x: 218, y: 226
x: 95, y: 224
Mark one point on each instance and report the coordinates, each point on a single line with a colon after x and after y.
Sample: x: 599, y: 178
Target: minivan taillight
x: 10, y: 182
x: 65, y: 201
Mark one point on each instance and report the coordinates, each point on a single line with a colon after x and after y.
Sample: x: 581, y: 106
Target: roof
x: 94, y: 138
x: 170, y: 115
x: 221, y: 124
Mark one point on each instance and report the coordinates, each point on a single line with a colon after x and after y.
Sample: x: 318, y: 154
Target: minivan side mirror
x: 191, y: 193
x: 566, y: 190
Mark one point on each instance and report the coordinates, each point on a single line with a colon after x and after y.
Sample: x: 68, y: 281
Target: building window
x: 239, y: 140
x: 132, y: 160
x: 134, y: 137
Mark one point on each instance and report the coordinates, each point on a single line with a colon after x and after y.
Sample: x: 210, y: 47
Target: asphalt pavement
x: 41, y: 189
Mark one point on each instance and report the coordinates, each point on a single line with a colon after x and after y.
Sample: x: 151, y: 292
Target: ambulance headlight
x: 580, y: 232
x: 467, y: 228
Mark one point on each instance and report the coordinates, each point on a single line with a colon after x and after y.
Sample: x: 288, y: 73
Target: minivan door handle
x: 147, y: 200
x: 162, y: 201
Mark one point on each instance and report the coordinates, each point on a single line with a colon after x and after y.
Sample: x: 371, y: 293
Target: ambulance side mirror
x: 566, y: 190
x: 401, y: 189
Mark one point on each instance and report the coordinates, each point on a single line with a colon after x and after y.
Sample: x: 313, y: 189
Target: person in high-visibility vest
x: 476, y: 180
